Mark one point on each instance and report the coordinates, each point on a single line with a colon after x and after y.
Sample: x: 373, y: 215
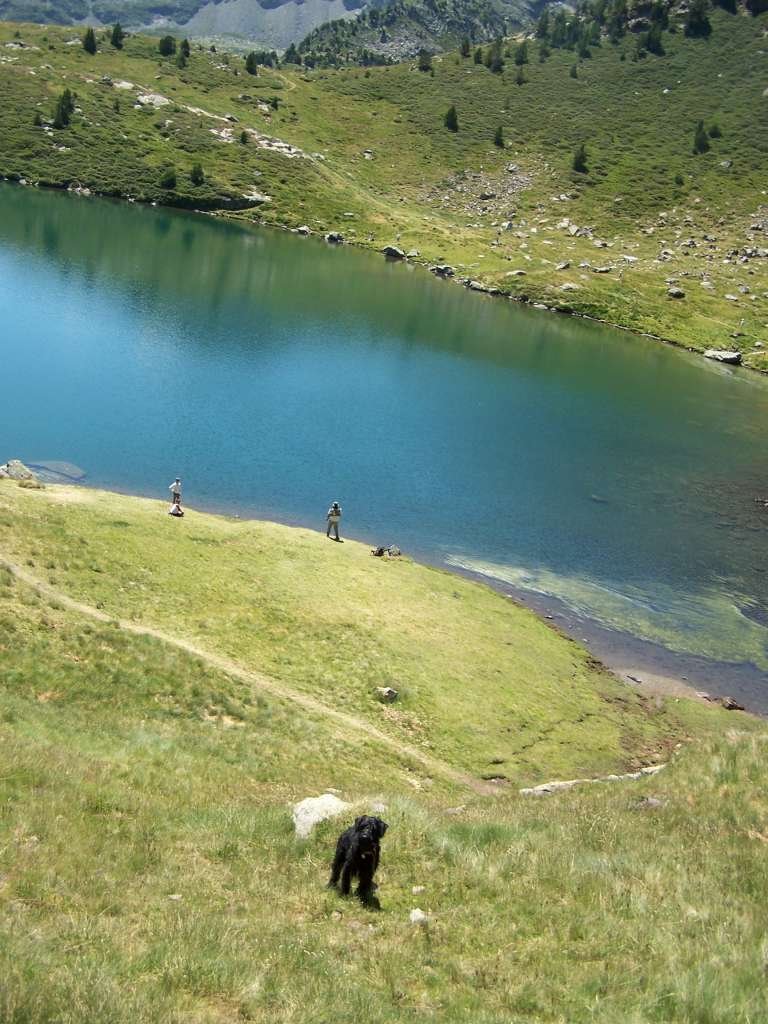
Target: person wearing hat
x: 175, y: 489
x: 334, y: 517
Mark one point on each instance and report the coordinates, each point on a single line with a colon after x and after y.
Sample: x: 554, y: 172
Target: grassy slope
x: 638, y: 139
x: 130, y: 773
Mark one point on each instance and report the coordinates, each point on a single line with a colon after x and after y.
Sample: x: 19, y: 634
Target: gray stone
x: 334, y: 237
x: 314, y: 809
x: 442, y: 270
x: 386, y: 694
x: 391, y: 252
x: 303, y: 230
x: 18, y: 471
x: 564, y: 265
x: 676, y: 293
x: 418, y: 917
x: 723, y: 356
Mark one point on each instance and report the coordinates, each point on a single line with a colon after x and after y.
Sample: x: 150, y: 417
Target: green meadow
x: 169, y: 689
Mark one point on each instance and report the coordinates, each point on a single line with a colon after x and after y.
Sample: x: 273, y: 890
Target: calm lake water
x: 274, y: 374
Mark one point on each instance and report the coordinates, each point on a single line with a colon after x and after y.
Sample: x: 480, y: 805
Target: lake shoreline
x: 233, y: 215
x: 641, y: 665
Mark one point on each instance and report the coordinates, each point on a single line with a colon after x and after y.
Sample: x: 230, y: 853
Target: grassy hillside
x: 373, y: 159
x: 148, y: 868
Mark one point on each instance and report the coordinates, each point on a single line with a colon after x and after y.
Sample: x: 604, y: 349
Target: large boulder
x: 311, y: 811
x: 442, y: 270
x: 723, y: 356
x: 16, y: 470
x: 391, y: 252
x: 334, y: 237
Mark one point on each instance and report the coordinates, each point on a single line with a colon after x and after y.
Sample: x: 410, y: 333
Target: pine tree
x: 168, y: 179
x: 37, y: 120
x: 697, y: 24
x: 196, y: 175
x: 652, y: 40
x: 521, y: 53
x: 580, y: 159
x: 251, y: 64
x: 544, y: 52
x: 520, y: 78
x: 700, y: 139
x: 65, y: 106
x: 451, y: 119
x: 465, y: 48
x: 479, y: 55
x: 291, y: 55
x: 542, y: 28
x: 243, y: 138
x: 574, y: 72
x: 715, y: 132
x: 185, y: 48
x: 167, y: 46
x: 425, y: 61
x: 117, y: 37
x: 498, y: 137
x: 181, y: 60
x: 89, y: 41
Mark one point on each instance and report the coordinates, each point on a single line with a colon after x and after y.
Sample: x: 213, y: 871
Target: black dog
x: 357, y: 854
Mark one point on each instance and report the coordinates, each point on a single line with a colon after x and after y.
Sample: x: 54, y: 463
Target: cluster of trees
x: 168, y: 179
x: 261, y: 58
x: 702, y: 135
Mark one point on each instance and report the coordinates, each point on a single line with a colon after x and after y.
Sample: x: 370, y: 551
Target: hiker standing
x: 175, y: 490
x: 334, y: 518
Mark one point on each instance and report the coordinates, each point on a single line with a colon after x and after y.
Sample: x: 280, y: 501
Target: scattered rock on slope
x: 723, y: 356
x: 311, y: 811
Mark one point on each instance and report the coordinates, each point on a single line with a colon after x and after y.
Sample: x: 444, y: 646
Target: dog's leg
x: 338, y: 861
x: 365, y: 875
x: 346, y: 877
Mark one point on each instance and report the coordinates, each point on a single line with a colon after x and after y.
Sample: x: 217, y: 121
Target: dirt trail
x: 350, y: 723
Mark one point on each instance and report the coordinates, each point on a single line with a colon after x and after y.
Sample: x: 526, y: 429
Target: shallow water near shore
x: 569, y: 461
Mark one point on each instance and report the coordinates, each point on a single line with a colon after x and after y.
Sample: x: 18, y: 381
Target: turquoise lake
x: 608, y: 478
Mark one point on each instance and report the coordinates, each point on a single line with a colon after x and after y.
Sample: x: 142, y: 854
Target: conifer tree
x: 196, y: 175
x: 451, y: 119
x: 521, y: 53
x: 168, y: 179
x: 697, y: 24
x: 89, y: 41
x: 185, y: 48
x: 479, y: 55
x: 700, y: 139
x: 118, y: 35
x: 425, y: 61
x: 498, y: 137
x: 252, y: 64
x: 465, y: 48
x: 167, y: 46
x: 520, y: 78
x: 65, y: 106
x: 580, y: 159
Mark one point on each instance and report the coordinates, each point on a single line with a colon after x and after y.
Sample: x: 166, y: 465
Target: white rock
x: 311, y: 811
x: 418, y: 917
